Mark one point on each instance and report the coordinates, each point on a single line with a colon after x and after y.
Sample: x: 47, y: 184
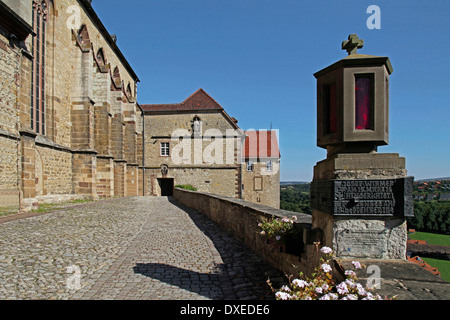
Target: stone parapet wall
x: 241, y: 218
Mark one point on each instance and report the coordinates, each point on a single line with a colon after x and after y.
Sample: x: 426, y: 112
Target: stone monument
x: 359, y: 198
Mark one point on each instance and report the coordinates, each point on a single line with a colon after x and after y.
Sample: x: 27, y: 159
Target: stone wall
x: 260, y: 186
x: 209, y: 162
x: 189, y: 151
x: 90, y: 110
x: 55, y: 172
x: 220, y: 181
x: 9, y: 169
x: 241, y: 218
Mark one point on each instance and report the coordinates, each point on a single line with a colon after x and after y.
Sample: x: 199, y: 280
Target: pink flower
x: 286, y: 288
x: 329, y: 296
x: 326, y: 267
x: 282, y: 295
x: 342, y: 288
x: 325, y: 297
x: 356, y: 264
x: 326, y: 250
x: 299, y: 283
x: 350, y: 273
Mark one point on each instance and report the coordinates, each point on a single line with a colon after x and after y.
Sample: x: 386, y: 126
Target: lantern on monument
x: 353, y: 101
x: 359, y: 198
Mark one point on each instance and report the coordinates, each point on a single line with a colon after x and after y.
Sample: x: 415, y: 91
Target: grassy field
x: 435, y: 239
x: 431, y: 238
x: 442, y: 265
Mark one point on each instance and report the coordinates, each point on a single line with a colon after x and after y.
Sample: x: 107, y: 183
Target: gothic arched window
x: 38, y: 70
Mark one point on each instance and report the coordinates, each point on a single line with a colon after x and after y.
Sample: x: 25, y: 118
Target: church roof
x: 261, y: 144
x: 199, y: 100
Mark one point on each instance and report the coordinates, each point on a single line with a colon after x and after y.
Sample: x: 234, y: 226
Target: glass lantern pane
x: 330, y: 108
x: 364, y: 102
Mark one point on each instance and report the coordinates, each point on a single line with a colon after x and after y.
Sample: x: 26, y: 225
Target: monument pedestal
x: 360, y: 202
x: 359, y: 198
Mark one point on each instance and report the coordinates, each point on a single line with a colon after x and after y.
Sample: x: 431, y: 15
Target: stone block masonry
x: 241, y: 218
x: 400, y: 278
x: 87, y: 110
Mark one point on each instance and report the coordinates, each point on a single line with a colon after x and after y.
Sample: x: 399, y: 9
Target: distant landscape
x: 431, y: 203
x: 431, y: 221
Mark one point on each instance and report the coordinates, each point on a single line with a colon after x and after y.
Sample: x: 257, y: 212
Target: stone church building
x: 71, y: 126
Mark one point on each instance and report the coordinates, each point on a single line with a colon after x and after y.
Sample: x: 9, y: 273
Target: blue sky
x: 257, y: 58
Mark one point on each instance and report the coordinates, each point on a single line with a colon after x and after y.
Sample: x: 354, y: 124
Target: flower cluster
x: 276, y: 228
x: 321, y: 286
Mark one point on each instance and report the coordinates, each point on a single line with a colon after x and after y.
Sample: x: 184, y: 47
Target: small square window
x: 269, y: 166
x: 250, y: 166
x: 165, y: 147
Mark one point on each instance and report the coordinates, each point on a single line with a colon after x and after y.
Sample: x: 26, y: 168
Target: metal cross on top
x: 352, y: 44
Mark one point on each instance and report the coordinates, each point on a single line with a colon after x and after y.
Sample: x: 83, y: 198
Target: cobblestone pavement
x: 129, y: 248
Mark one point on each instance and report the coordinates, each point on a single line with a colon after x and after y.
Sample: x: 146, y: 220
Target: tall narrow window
x: 364, y: 103
x: 38, y: 70
x: 250, y: 166
x: 329, y: 92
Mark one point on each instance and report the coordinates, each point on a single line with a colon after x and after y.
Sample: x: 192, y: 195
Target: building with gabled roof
x: 71, y: 126
x: 193, y: 142
x: 196, y: 142
x: 261, y: 168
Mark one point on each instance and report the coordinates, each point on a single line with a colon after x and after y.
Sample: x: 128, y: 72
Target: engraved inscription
x: 386, y: 197
x: 362, y: 243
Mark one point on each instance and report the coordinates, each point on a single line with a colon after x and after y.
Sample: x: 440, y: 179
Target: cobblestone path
x: 129, y: 248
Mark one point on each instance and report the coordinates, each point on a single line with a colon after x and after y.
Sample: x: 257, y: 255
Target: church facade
x: 70, y: 120
x: 71, y: 126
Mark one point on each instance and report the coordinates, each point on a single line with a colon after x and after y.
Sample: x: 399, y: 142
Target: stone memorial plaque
x: 375, y: 197
x: 361, y: 244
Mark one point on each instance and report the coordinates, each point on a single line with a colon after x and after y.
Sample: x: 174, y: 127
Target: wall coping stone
x: 302, y: 218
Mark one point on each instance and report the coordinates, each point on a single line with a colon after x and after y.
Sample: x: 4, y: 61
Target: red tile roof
x: 261, y: 144
x: 423, y: 264
x: 199, y: 100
